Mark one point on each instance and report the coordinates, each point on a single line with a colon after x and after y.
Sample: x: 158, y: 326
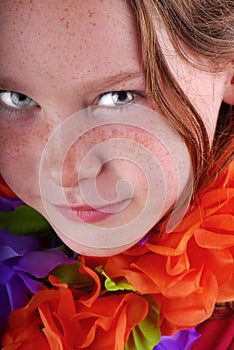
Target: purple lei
x: 22, y: 265
x: 9, y: 204
x: 183, y: 340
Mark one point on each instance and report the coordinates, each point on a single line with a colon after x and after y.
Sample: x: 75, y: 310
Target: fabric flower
x: 192, y: 268
x: 68, y: 319
x: 22, y: 265
x: 182, y: 340
x: 5, y: 190
x: 9, y: 204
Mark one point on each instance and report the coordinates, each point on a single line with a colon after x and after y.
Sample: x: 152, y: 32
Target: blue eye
x: 16, y: 100
x: 116, y: 98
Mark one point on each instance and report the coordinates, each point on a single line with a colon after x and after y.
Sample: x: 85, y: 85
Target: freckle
x: 91, y: 13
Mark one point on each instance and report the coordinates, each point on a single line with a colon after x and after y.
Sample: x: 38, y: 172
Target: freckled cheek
x: 118, y: 141
x: 19, y: 159
x: 107, y: 142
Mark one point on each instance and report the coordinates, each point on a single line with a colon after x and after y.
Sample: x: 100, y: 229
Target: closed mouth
x: 89, y: 214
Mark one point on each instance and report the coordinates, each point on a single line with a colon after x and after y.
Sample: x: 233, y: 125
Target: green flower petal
x: 24, y: 221
x: 147, y: 333
x: 69, y: 274
x: 111, y: 285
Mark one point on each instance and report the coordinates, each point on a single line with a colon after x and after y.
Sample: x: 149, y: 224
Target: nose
x: 66, y: 176
x: 77, y: 167
x: 88, y: 179
x: 70, y: 141
x: 67, y: 170
x: 78, y: 157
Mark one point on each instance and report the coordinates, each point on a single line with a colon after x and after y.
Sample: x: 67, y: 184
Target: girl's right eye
x: 16, y: 100
x: 117, y: 98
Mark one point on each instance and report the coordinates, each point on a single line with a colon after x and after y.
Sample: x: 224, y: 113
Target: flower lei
x: 166, y: 285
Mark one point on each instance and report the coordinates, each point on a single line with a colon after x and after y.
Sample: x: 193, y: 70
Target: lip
x: 88, y: 214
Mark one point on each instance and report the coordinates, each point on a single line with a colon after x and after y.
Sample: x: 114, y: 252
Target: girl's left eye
x: 16, y: 100
x: 117, y: 98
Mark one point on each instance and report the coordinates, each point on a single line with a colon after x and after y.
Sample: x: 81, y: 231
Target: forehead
x: 74, y: 37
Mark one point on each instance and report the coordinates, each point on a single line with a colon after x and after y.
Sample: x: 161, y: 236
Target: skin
x: 64, y: 56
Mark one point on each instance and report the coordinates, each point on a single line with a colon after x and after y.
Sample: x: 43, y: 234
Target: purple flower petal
x: 33, y: 285
x: 167, y: 344
x: 186, y: 338
x: 21, y: 244
x: 6, y: 274
x: 9, y: 204
x: 5, y: 306
x: 182, y: 340
x: 145, y: 239
x: 7, y: 252
x: 17, y: 293
x: 39, y: 264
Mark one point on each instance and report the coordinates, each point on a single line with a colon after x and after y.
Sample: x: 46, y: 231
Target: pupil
x: 21, y: 97
x: 122, y: 95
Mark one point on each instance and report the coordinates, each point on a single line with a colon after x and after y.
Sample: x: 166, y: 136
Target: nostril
x: 90, y: 168
x: 107, y: 186
x: 69, y: 178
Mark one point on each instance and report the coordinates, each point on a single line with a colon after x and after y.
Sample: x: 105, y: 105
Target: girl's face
x: 60, y: 58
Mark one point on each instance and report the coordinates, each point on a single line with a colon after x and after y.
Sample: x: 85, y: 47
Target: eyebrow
x: 9, y: 84
x: 113, y: 80
x: 6, y: 83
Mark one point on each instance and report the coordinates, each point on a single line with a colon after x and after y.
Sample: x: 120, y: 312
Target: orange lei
x: 190, y: 269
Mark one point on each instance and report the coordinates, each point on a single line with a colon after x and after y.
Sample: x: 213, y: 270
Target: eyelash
x: 11, y: 112
x: 135, y: 93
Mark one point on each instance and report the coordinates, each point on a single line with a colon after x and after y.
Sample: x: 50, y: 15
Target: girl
x: 114, y: 117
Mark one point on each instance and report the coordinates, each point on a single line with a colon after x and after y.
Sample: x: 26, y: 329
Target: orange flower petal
x: 196, y: 307
x: 64, y: 323
x: 210, y: 240
x: 226, y: 290
x: 89, y: 300
x: 24, y: 339
x: 5, y: 189
x: 26, y: 315
x: 49, y: 328
x: 177, y: 264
